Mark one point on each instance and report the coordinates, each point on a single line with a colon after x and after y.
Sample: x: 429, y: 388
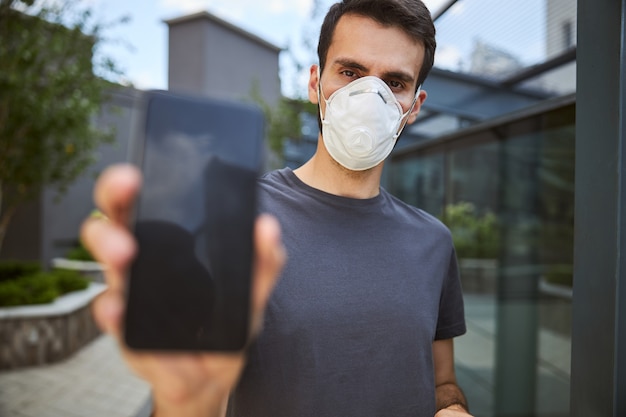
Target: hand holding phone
x: 189, y: 285
x: 198, y: 381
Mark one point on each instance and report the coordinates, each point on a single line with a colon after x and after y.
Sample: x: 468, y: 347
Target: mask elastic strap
x: 404, y: 116
x: 320, y: 93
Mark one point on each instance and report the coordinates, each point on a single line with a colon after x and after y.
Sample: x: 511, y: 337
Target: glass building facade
x: 506, y: 190
x: 493, y: 156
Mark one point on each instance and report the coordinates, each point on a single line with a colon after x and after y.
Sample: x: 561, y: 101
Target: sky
x: 140, y: 46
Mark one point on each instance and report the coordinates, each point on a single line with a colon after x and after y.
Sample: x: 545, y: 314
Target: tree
x: 49, y: 94
x: 282, y: 119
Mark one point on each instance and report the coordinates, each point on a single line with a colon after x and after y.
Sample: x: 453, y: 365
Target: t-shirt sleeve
x: 451, y: 320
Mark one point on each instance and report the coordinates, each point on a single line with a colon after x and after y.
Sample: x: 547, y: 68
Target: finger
x: 116, y: 190
x: 108, y: 309
x: 270, y: 258
x: 112, y: 245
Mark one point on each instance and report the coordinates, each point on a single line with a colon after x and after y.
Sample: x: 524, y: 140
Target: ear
x: 313, y: 84
x: 421, y: 98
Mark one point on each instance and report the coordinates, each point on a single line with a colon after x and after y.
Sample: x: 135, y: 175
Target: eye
x: 349, y: 73
x: 395, y: 85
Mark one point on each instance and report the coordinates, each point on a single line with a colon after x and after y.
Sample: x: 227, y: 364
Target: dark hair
x: 411, y: 16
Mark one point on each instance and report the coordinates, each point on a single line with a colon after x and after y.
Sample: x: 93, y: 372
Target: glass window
x: 421, y: 185
x: 508, y: 193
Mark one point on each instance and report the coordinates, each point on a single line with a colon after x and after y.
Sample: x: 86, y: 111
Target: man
x: 363, y: 318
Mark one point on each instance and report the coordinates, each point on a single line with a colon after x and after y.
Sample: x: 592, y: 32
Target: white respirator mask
x: 362, y: 123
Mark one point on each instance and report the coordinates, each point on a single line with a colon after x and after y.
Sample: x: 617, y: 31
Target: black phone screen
x: 189, y: 285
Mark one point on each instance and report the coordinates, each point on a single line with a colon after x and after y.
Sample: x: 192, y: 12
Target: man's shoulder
x: 275, y: 180
x: 274, y: 189
x: 275, y: 175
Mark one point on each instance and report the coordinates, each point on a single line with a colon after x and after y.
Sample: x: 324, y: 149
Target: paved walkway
x: 94, y: 382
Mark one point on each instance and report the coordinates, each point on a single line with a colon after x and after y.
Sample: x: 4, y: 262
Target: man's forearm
x: 450, y: 394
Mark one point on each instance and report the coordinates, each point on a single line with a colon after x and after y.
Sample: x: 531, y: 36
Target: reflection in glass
x: 507, y: 194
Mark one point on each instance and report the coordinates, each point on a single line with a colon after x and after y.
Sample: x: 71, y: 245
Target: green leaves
x: 282, y: 119
x: 49, y: 95
x: 474, y: 235
x: 40, y: 287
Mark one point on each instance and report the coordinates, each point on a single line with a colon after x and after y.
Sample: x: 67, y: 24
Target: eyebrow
x: 399, y: 75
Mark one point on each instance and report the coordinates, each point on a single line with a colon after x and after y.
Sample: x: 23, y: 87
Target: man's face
x: 361, y: 47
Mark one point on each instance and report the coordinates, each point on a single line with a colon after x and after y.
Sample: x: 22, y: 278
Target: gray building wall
x: 209, y: 56
x: 560, y: 26
x: 561, y: 34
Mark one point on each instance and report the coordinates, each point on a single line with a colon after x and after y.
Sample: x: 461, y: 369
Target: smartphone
x: 188, y: 288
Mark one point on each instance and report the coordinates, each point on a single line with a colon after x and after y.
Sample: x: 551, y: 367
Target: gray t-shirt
x: 368, y: 286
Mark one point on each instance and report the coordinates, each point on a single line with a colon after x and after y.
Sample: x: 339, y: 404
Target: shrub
x: 14, y: 269
x: 560, y: 274
x: 80, y: 253
x: 11, y: 294
x: 40, y: 287
x: 68, y: 281
x: 474, y: 235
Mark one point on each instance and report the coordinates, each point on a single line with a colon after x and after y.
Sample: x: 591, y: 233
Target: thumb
x: 270, y: 258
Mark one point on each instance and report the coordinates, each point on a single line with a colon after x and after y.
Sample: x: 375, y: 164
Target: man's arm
x: 183, y: 384
x: 450, y: 399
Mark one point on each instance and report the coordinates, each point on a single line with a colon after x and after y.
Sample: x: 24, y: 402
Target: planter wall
x: 42, y: 334
x: 91, y: 270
